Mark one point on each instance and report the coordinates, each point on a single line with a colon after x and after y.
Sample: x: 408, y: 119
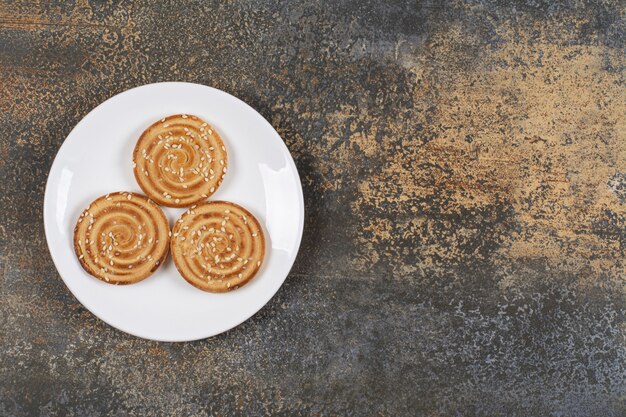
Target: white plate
x: 96, y: 158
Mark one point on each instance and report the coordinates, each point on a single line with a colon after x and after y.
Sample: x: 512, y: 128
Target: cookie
x: 217, y: 246
x: 179, y: 161
x: 121, y: 238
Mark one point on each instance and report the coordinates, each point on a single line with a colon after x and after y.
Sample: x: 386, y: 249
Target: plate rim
x: 300, y: 198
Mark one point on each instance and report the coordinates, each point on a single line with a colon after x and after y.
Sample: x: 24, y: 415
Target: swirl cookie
x: 217, y: 246
x: 121, y: 238
x: 179, y: 161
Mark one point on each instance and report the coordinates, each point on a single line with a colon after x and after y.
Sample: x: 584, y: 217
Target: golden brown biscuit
x: 121, y: 238
x: 217, y: 246
x: 179, y: 161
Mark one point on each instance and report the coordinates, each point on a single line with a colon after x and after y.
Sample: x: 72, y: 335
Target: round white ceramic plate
x: 96, y: 158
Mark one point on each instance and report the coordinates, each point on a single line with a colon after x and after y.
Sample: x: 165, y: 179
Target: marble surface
x: 464, y: 171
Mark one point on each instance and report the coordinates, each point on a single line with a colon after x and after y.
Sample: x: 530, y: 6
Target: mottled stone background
x: 464, y: 171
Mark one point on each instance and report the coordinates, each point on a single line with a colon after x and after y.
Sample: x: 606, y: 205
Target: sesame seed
x: 212, y: 189
x: 221, y: 162
x: 253, y: 234
x: 184, y: 116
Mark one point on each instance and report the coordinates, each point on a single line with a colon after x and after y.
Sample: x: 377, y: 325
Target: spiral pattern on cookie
x: 121, y: 238
x: 217, y: 246
x: 179, y: 161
